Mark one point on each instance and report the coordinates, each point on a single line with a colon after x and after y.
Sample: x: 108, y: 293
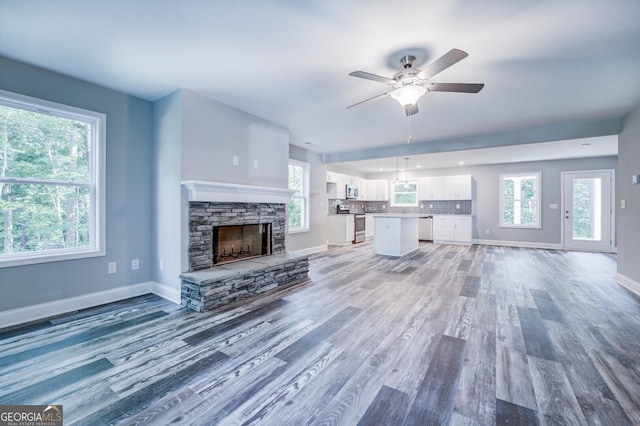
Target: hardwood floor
x: 445, y: 335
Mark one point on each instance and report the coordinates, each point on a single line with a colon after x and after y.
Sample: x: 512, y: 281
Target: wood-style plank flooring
x: 445, y: 335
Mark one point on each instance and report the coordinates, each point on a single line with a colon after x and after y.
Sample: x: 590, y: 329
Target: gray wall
x: 167, y: 136
x: 212, y: 133
x: 629, y: 217
x: 128, y: 192
x: 486, y: 179
x: 317, y: 235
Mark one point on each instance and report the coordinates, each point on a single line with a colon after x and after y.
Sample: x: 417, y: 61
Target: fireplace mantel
x: 230, y: 192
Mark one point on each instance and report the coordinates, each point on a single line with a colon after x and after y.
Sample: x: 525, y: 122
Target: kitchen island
x: 395, y: 234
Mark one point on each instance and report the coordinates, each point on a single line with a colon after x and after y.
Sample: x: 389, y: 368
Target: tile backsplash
x: 356, y: 206
x: 446, y: 207
x: 429, y: 207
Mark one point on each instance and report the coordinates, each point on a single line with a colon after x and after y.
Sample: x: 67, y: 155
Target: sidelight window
x: 298, y: 215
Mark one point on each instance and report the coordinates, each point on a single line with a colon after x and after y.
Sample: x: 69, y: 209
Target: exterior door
x: 587, y: 210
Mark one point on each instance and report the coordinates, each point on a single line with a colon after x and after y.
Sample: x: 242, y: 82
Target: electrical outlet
x: 256, y: 164
x: 111, y: 267
x: 135, y: 264
x: 162, y: 264
x: 623, y: 204
x: 486, y: 231
x: 235, y: 160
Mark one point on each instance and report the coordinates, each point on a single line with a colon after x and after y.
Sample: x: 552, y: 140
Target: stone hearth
x: 233, y: 282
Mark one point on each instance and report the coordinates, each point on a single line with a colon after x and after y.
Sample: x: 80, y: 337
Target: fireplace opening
x: 238, y: 242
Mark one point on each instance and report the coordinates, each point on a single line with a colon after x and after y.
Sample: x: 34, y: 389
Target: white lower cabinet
x: 368, y: 226
x: 452, y: 229
x: 341, y: 229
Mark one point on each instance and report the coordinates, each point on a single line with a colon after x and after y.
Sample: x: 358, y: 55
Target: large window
x: 404, y: 193
x: 51, y: 170
x: 520, y: 200
x: 299, y: 205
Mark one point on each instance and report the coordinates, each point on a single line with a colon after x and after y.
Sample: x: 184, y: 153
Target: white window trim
x: 97, y: 181
x: 538, y: 224
x: 392, y: 191
x: 306, y: 177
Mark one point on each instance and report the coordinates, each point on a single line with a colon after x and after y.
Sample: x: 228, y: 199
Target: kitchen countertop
x: 400, y: 215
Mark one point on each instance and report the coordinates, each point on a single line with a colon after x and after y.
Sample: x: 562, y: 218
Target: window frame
x: 392, y: 191
x: 96, y: 184
x: 537, y: 199
x: 306, y: 177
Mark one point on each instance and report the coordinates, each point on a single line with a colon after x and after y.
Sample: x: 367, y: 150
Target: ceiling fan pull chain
x: 409, y: 120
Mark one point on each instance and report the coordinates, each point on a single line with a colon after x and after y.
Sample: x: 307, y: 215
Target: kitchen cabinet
x: 341, y: 229
x: 395, y: 235
x: 368, y: 189
x: 337, y: 185
x: 369, y: 226
x: 445, y: 188
x: 457, y: 187
x: 377, y: 190
x: 452, y: 229
x: 431, y: 188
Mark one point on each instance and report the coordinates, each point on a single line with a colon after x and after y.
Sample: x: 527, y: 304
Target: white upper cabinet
x: 368, y: 189
x: 457, y: 187
x: 377, y: 190
x: 445, y: 188
x: 431, y: 188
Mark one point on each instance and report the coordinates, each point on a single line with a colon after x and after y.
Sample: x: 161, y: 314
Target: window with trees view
x: 50, y: 199
x: 404, y: 193
x: 520, y: 200
x: 299, y: 205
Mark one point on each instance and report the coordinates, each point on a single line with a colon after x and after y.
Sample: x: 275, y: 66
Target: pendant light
x: 406, y: 168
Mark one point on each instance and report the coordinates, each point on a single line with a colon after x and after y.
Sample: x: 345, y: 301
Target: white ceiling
x: 544, y: 63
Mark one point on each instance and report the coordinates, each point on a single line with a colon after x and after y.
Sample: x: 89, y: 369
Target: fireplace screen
x: 239, y: 242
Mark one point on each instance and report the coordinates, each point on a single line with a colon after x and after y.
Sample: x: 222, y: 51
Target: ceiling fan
x: 411, y: 83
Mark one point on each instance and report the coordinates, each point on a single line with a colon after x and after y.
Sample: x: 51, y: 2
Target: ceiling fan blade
x: 445, y: 61
x: 456, y: 87
x: 367, y: 100
x: 411, y: 109
x: 373, y: 77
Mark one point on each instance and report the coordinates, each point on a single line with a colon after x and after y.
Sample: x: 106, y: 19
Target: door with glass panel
x: 587, y: 210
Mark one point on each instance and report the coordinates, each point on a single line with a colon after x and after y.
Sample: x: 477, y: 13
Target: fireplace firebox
x: 238, y: 242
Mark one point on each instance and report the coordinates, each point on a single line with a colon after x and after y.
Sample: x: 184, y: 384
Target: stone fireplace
x: 236, y: 246
x: 208, y: 219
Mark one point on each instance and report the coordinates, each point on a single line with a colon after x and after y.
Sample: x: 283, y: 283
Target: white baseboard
x: 523, y: 244
x: 166, y: 292
x: 627, y: 283
x: 311, y: 250
x: 49, y: 309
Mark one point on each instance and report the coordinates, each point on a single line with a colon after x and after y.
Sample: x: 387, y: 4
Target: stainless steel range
x: 359, y: 228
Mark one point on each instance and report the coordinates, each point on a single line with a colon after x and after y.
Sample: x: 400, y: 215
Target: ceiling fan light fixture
x: 408, y: 95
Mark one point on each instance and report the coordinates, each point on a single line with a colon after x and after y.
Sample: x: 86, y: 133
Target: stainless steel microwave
x: 352, y: 191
